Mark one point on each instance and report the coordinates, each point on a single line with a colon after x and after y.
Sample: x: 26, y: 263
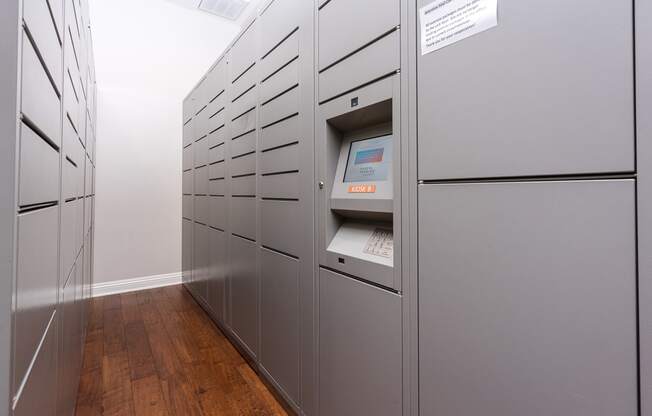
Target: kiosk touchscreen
x: 363, y: 193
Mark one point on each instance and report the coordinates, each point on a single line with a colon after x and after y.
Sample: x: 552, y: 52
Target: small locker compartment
x: 243, y: 217
x: 281, y: 107
x: 217, y: 272
x: 201, y: 261
x: 216, y: 153
x: 39, y: 169
x: 217, y: 187
x: 284, y: 186
x: 36, y: 283
x: 527, y: 298
x: 243, y: 53
x: 41, y: 27
x: 201, y: 209
x: 543, y: 93
x: 244, y: 186
x: 243, y: 145
x: 39, y: 394
x: 216, y: 170
x: 187, y: 252
x: 188, y: 157
x: 280, y: 225
x: 40, y: 102
x: 279, y: 326
x: 201, y: 180
x: 201, y: 152
x: 188, y: 179
x: 280, y: 159
x: 346, y: 26
x: 284, y: 53
x: 188, y: 206
x: 276, y: 22
x: 281, y: 133
x: 360, y: 348
x: 244, y: 292
x: 243, y: 165
x: 187, y: 132
x: 354, y: 51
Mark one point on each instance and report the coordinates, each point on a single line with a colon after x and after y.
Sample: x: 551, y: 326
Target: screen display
x: 370, y: 160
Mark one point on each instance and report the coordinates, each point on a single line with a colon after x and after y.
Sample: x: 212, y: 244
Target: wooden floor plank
x: 156, y: 352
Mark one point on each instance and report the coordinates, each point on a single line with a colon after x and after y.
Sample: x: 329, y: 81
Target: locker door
x: 548, y: 91
x: 527, y: 299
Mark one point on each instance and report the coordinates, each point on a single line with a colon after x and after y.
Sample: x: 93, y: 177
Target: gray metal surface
x: 524, y: 100
x: 279, y: 304
x: 39, y: 165
x: 527, y: 298
x: 643, y: 10
x: 41, y: 26
x: 36, y: 283
x: 244, y: 291
x: 217, y: 272
x: 359, y: 348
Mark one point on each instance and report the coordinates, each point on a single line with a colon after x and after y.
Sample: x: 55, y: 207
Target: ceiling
x: 248, y: 7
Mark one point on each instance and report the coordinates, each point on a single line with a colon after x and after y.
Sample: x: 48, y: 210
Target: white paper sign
x: 444, y: 22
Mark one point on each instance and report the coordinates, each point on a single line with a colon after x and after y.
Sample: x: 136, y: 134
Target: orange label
x: 362, y: 189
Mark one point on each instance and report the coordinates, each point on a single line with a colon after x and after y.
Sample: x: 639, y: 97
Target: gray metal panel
x: 201, y: 152
x: 527, y: 298
x: 279, y: 228
x: 537, y: 101
x: 277, y: 21
x: 279, y: 326
x: 217, y: 187
x: 243, y: 144
x: 359, y: 348
x: 9, y: 22
x: 244, y: 103
x: 70, y: 345
x: 188, y: 158
x: 36, y: 283
x: 39, y: 395
x: 215, y: 121
x: 243, y: 52
x: 244, y: 291
x: 376, y: 60
x: 201, y: 209
x: 186, y: 252
x: 243, y: 124
x: 188, y: 206
x: 281, y: 55
x: 239, y: 87
x: 284, y: 186
x: 217, y: 272
x: 39, y: 99
x: 201, y: 261
x: 217, y: 154
x: 201, y: 180
x: 39, y: 169
x: 242, y: 220
x: 283, y: 159
x: 217, y: 137
x: 279, y: 134
x: 243, y: 186
x: 285, y: 78
x: 187, y: 182
x: 36, y: 15
x: 244, y: 165
x: 281, y: 107
x: 343, y: 28
x: 643, y: 14
x: 216, y: 170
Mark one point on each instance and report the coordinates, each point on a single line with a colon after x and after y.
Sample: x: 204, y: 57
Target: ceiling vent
x: 230, y: 9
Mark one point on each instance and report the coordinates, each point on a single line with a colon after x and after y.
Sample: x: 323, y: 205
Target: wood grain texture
x: 157, y: 353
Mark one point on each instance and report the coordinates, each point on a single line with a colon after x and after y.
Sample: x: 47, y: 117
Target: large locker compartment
x: 549, y: 92
x: 527, y: 298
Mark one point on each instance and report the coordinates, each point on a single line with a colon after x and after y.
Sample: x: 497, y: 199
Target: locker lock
x: 321, y: 184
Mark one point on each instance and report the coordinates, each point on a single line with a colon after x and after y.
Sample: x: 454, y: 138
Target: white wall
x: 148, y: 54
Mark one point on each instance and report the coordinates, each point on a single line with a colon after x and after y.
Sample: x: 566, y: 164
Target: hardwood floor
x: 156, y: 352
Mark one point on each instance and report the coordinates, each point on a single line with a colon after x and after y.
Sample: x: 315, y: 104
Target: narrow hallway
x: 156, y: 352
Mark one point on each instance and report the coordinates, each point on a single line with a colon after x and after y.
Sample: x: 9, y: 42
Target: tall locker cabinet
x: 248, y: 195
x: 527, y: 228
x: 47, y: 208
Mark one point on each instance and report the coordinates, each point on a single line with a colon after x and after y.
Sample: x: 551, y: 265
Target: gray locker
x: 201, y: 152
x: 37, y: 17
x: 280, y: 55
x: 281, y: 133
x: 70, y: 344
x: 279, y: 326
x: 217, y: 187
x: 243, y: 217
x: 39, y: 169
x: 201, y: 176
x: 217, y: 273
x: 282, y: 186
x: 243, y: 53
x: 187, y: 252
x: 188, y: 179
x: 282, y: 80
x: 359, y: 348
x: 216, y: 153
x: 36, y: 283
x: 188, y: 206
x: 39, y: 99
x: 277, y: 20
x: 281, y: 107
x: 39, y: 395
x: 201, y: 261
x: 342, y: 31
x: 244, y: 292
x: 522, y: 99
x: 188, y: 158
x: 243, y: 145
x: 527, y: 298
x: 282, y: 159
x: 202, y: 209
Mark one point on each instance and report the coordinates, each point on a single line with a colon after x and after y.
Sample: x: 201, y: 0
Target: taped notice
x: 445, y: 22
x: 381, y: 243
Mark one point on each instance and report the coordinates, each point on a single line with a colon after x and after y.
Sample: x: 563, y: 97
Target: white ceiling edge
x: 244, y: 17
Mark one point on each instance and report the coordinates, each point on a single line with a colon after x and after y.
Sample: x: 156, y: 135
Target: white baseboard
x: 132, y: 285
